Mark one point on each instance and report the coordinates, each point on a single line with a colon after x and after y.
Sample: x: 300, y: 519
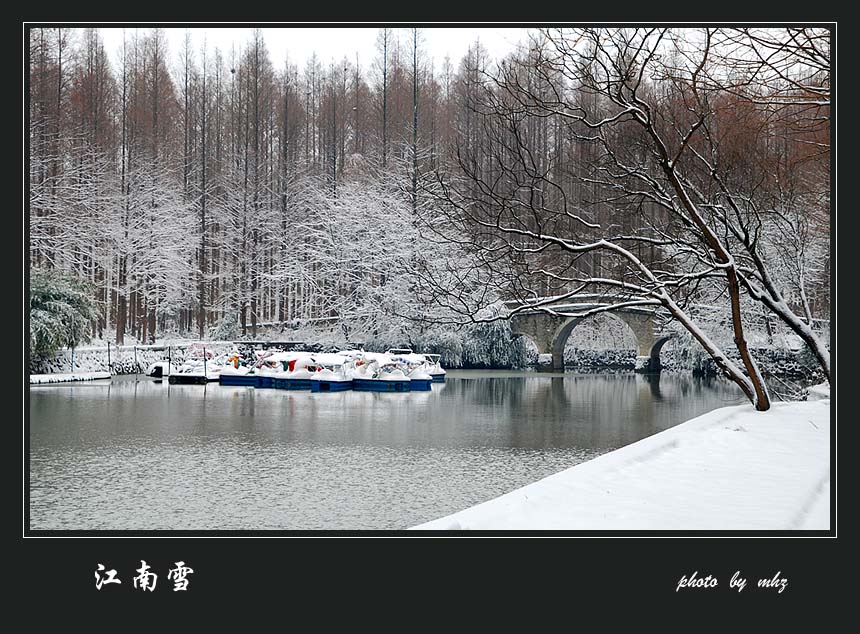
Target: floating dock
x: 41, y: 379
x: 190, y: 379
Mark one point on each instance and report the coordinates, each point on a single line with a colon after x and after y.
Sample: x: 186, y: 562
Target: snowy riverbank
x: 36, y: 379
x: 730, y: 469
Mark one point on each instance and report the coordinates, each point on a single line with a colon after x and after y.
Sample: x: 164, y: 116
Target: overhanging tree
x: 652, y: 156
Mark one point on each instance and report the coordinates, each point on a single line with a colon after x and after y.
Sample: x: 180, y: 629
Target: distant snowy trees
x: 187, y: 185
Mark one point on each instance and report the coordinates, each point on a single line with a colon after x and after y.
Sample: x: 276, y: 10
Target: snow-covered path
x: 730, y: 469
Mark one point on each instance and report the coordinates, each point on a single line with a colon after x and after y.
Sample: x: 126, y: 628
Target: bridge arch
x: 565, y: 330
x: 529, y: 342
x: 550, y: 333
x: 654, y: 356
x: 559, y: 341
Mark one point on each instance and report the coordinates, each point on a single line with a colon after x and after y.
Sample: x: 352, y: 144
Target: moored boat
x: 235, y: 372
x: 161, y: 369
x: 230, y: 375
x: 331, y: 374
x: 380, y: 374
x: 295, y: 373
x: 424, y: 364
x: 265, y: 377
x: 434, y: 368
x: 419, y: 380
x: 266, y: 368
x: 328, y: 380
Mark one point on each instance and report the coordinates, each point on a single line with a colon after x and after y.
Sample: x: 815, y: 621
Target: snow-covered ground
x: 62, y: 378
x: 730, y: 469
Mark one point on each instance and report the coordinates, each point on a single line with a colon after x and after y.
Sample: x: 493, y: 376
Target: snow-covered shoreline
x: 38, y: 379
x: 730, y: 469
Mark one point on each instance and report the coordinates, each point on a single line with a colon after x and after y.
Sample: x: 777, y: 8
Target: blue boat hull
x: 331, y: 386
x: 238, y: 379
x: 265, y: 381
x: 438, y: 378
x: 372, y: 385
x: 420, y: 385
x: 292, y: 384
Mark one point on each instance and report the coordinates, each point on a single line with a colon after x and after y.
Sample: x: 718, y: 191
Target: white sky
x: 330, y: 44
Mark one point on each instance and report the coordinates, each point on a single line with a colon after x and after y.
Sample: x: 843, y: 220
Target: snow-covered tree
x: 61, y: 312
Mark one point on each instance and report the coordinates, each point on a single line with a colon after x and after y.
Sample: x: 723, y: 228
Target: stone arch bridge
x: 550, y: 330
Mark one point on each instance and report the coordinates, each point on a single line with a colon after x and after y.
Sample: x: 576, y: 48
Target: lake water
x: 140, y: 454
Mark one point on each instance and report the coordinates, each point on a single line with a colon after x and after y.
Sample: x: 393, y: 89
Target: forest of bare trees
x: 186, y: 185
x: 674, y: 165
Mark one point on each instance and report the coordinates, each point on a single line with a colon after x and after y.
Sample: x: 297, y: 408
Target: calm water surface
x: 141, y: 454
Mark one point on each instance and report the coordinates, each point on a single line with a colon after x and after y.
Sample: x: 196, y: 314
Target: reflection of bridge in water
x: 549, y: 326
